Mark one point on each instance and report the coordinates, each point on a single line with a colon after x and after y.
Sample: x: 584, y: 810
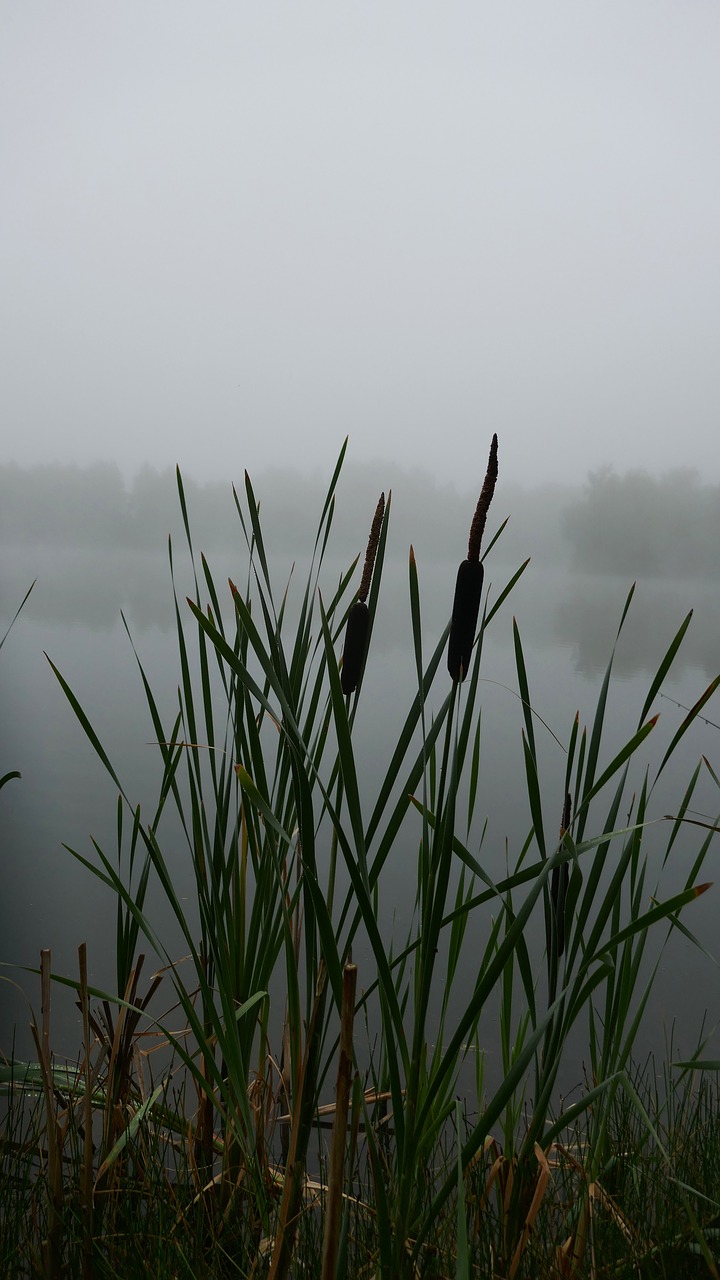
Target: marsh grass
x: 155, y: 1220
x: 188, y: 1138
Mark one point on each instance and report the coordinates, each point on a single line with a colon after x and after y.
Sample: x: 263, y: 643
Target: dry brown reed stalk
x: 118, y: 1036
x: 333, y: 1203
x: 52, y: 1245
x: 570, y: 1255
x: 468, y: 585
x: 294, y: 1181
x: 520, y: 1195
x: 86, y: 1176
x: 358, y: 618
x: 542, y: 1181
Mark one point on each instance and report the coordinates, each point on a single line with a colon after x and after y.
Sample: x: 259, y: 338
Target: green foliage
x: 289, y: 862
x: 13, y: 773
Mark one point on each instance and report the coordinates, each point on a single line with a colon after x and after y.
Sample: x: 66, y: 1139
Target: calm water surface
x: 65, y: 797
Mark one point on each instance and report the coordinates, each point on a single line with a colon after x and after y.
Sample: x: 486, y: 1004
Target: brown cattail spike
x: 466, y: 606
x: 354, y: 648
x: 468, y: 586
x: 371, y: 550
x: 356, y: 632
x: 477, y: 528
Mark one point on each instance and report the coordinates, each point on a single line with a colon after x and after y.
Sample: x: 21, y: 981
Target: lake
x: 568, y: 625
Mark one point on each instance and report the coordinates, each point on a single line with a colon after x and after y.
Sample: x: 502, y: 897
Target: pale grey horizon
x: 231, y: 234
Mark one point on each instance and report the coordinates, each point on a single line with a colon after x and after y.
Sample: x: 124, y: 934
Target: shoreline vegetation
x: 281, y: 1098
x: 633, y: 524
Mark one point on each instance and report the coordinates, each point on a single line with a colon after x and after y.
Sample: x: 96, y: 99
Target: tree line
x: 93, y: 506
x: 641, y: 525
x: 633, y: 524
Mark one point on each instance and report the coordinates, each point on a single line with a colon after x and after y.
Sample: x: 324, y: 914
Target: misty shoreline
x: 632, y: 524
x: 86, y: 590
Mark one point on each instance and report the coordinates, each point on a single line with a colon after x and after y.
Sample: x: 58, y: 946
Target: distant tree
x: 66, y: 505
x: 638, y: 524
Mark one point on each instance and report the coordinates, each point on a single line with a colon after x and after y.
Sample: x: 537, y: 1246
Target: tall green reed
x: 13, y: 773
x: 259, y: 766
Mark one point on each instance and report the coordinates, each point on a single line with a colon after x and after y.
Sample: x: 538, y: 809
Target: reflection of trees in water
x: 89, y: 588
x: 97, y: 546
x: 588, y: 615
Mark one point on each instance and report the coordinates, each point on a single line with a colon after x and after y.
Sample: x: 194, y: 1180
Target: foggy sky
x: 233, y: 233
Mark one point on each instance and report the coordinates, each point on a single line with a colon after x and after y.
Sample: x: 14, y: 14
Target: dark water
x: 568, y: 627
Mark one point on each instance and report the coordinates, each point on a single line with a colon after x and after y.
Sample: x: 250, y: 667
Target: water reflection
x: 589, y: 613
x: 567, y: 622
x: 555, y: 607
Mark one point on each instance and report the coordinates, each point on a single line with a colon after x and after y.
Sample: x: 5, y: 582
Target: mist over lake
x: 357, y: 891
x: 97, y: 547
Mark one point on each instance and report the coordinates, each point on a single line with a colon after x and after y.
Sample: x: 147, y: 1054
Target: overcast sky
x: 233, y: 233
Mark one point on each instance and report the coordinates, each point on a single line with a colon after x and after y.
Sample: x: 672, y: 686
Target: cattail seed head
x: 354, y: 649
x: 477, y: 528
x: 371, y: 552
x: 466, y: 606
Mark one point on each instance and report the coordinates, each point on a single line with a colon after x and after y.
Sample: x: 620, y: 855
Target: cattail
x: 559, y: 884
x: 466, y: 607
x: 358, y: 621
x: 354, y: 648
x: 468, y: 586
